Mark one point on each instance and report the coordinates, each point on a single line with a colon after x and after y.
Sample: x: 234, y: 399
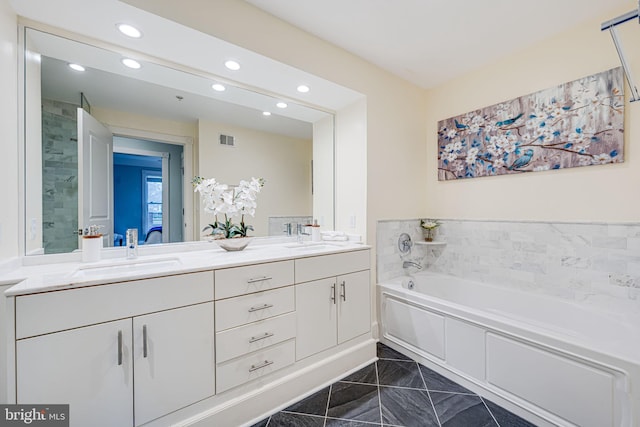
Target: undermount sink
x: 312, y: 246
x: 124, y: 267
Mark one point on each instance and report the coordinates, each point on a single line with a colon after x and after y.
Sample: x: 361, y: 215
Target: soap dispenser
x: 132, y: 243
x: 315, y: 231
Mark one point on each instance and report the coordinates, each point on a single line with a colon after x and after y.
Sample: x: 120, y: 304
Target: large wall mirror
x: 119, y: 146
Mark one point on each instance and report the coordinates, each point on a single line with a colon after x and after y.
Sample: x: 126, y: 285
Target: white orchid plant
x: 221, y: 199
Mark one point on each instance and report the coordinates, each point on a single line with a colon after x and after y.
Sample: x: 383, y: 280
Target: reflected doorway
x: 147, y: 189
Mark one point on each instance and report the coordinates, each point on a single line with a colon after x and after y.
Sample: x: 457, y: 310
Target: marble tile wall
x: 569, y: 260
x: 59, y: 176
x: 277, y: 224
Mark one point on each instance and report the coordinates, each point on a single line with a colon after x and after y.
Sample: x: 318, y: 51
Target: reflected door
x: 95, y: 175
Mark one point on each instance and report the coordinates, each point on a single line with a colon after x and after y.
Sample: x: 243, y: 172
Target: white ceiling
x: 428, y: 42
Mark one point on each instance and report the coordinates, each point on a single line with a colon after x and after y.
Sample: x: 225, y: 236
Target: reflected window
x: 152, y: 200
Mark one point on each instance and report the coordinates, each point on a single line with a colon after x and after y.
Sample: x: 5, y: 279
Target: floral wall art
x: 579, y: 123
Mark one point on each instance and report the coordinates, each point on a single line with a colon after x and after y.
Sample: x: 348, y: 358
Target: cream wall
x: 351, y: 168
x: 9, y: 192
x: 594, y: 193
x: 284, y: 162
x: 145, y: 123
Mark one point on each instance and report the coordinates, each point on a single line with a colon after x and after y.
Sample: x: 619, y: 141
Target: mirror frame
x: 194, y: 204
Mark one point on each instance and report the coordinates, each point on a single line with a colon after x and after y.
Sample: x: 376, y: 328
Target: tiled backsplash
x: 278, y: 224
x: 570, y: 260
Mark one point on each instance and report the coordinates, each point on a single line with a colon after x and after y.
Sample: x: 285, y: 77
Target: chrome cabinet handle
x: 261, y: 337
x: 333, y: 293
x: 343, y: 292
x: 259, y: 279
x: 262, y: 365
x: 261, y: 307
x: 144, y: 341
x: 119, y: 348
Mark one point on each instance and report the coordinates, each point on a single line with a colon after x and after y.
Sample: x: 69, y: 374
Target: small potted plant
x: 220, y: 199
x: 429, y: 228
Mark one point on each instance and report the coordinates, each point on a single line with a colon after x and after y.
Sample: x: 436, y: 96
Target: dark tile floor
x: 394, y: 391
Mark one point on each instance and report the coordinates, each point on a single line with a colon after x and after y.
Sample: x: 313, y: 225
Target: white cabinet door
x: 354, y: 305
x: 89, y: 368
x: 174, y: 360
x: 316, y: 313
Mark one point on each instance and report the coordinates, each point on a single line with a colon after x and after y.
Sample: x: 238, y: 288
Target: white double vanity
x: 200, y: 337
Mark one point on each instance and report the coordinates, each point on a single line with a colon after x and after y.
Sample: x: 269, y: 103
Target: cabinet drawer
x: 245, y: 309
x: 236, y: 281
x: 254, y: 365
x: 73, y: 308
x: 319, y: 267
x: 254, y: 336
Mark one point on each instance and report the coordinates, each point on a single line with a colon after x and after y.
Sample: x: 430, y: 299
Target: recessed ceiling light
x: 218, y: 87
x: 281, y: 105
x: 76, y: 67
x: 232, y: 65
x: 303, y: 89
x: 266, y: 113
x: 131, y: 63
x: 129, y: 31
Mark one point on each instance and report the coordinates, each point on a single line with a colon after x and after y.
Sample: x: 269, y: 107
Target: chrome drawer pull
x: 119, y: 348
x: 261, y: 307
x: 144, y: 341
x: 261, y: 337
x: 343, y: 294
x: 264, y: 365
x: 259, y: 279
x: 333, y: 293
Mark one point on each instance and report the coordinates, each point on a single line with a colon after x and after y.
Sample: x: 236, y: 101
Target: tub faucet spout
x: 408, y: 264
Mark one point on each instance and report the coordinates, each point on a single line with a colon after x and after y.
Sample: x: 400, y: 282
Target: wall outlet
x: 352, y: 221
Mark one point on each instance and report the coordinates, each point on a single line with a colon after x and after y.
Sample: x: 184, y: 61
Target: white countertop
x: 169, y: 260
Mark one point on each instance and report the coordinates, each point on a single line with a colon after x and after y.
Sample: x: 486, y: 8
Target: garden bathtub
x: 555, y: 361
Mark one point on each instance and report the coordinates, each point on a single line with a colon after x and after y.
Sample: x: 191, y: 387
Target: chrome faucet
x: 287, y: 229
x: 301, y: 233
x: 408, y: 264
x: 132, y: 243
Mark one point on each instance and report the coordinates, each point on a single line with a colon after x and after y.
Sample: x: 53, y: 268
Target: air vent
x: 227, y: 140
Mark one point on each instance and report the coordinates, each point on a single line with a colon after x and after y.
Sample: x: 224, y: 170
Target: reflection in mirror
x: 168, y: 126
